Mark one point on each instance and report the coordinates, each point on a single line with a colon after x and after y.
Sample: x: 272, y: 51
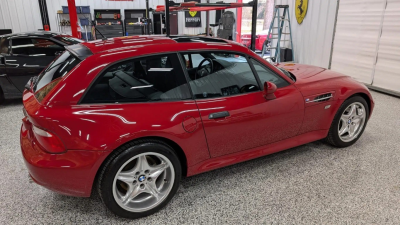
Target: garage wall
x: 312, y: 40
x: 20, y: 15
x: 54, y: 5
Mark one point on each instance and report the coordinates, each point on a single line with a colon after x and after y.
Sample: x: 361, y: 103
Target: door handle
x: 217, y: 115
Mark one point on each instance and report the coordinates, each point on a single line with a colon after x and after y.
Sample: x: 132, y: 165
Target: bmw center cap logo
x: 142, y: 178
x: 349, y: 122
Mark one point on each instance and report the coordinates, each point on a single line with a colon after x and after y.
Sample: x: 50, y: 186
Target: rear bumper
x: 71, y: 173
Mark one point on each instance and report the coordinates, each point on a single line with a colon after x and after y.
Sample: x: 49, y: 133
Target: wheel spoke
x: 345, y: 118
x: 142, y: 163
x: 351, y: 130
x: 344, y: 129
x: 357, y: 120
x: 151, y: 188
x: 157, y: 170
x: 133, y: 191
x: 353, y: 110
x: 127, y: 177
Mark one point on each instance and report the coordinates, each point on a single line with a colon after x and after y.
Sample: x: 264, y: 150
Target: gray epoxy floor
x: 311, y: 184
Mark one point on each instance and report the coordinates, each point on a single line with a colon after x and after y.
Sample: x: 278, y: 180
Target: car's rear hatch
x: 37, y: 121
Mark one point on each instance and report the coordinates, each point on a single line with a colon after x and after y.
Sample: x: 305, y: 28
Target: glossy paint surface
x: 255, y: 126
x: 253, y: 121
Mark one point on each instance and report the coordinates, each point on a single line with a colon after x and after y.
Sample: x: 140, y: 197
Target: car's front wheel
x: 349, y: 122
x: 140, y: 179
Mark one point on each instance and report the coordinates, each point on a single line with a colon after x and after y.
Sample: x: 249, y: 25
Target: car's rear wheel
x: 349, y: 122
x: 140, y: 179
x: 1, y: 96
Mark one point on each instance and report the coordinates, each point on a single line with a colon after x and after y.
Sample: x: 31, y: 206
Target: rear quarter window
x: 53, y: 74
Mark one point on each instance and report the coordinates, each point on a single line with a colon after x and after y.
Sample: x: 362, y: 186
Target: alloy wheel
x: 352, y: 122
x: 143, y: 182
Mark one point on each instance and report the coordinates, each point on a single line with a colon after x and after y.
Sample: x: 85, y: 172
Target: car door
x: 235, y: 115
x: 28, y: 57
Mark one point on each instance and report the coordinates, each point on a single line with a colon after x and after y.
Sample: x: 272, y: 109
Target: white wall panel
x: 20, y: 15
x: 387, y: 70
x: 312, y: 40
x: 357, y: 35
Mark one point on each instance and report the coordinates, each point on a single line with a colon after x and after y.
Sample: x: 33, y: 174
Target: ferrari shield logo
x: 301, y: 10
x: 192, y: 13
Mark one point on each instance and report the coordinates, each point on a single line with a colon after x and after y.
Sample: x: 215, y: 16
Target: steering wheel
x: 204, y: 70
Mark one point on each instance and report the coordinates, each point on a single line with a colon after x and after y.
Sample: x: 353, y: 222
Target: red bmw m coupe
x: 129, y: 117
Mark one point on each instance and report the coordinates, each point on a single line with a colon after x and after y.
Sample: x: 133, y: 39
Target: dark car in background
x: 25, y: 55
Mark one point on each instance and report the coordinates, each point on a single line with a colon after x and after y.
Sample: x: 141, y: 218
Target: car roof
x: 40, y: 34
x: 129, y: 42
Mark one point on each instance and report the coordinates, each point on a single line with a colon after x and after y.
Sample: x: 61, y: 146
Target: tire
x: 139, y: 179
x: 338, y: 136
x: 1, y: 96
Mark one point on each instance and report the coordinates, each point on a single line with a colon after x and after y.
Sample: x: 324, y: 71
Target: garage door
x: 366, y: 44
x: 356, y: 39
x: 387, y: 71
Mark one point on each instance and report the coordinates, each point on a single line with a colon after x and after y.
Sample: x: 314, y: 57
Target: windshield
x: 287, y: 73
x: 58, y: 68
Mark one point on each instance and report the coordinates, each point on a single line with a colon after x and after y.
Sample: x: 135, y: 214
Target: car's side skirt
x: 226, y: 160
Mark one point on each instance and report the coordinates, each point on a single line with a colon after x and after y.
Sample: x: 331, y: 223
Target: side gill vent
x: 322, y: 98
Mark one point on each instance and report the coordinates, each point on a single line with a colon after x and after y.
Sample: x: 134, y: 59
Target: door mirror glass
x: 269, y: 90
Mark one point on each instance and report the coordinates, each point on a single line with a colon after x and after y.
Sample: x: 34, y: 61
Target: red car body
x: 90, y: 132
x: 260, y: 39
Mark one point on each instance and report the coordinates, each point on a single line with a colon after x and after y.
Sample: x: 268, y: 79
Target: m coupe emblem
x: 301, y: 10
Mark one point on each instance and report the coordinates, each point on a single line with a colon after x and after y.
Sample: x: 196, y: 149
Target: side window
x: 193, y: 60
x: 266, y: 74
x: 4, y: 42
x: 225, y: 74
x: 147, y: 79
x: 35, y: 47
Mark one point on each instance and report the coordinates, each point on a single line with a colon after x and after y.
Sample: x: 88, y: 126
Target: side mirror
x: 269, y: 90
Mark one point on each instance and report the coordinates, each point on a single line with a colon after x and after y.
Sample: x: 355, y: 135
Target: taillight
x: 48, y: 141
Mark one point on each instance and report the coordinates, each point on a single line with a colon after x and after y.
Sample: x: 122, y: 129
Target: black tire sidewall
x: 106, y: 184
x: 333, y: 130
x: 2, y: 98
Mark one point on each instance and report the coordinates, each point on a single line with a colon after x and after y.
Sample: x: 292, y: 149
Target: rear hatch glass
x: 53, y: 74
x: 68, y: 40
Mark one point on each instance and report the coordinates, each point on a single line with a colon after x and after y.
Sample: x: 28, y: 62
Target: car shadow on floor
x: 199, y: 186
x: 11, y: 102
